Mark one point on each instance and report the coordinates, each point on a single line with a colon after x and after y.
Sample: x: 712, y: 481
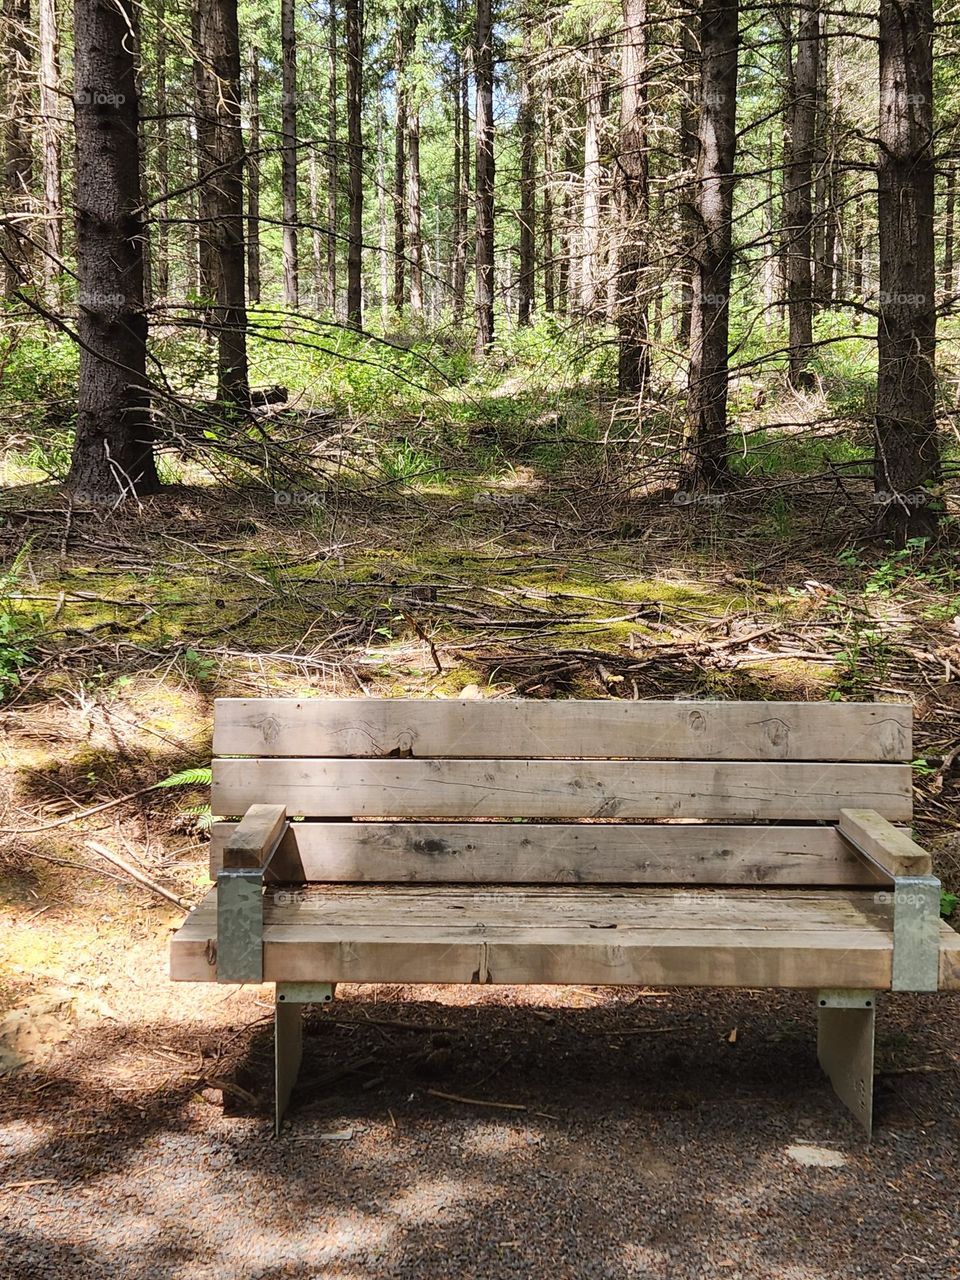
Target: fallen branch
x: 136, y: 874
x: 478, y: 1102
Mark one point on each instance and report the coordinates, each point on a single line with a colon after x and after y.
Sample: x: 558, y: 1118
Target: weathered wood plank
x: 472, y: 728
x: 582, y: 853
x: 251, y: 840
x: 732, y: 938
x: 561, y: 789
x: 895, y: 851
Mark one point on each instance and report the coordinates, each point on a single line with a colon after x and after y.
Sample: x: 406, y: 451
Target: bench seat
x: 601, y: 935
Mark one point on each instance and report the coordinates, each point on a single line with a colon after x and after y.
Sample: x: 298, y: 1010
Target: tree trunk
x: 950, y: 205
x: 549, y: 160
x: 50, y: 144
x: 592, y: 174
x: 113, y: 446
x: 689, y: 150
x: 633, y: 204
x: 220, y: 45
x: 18, y: 158
x: 462, y: 111
x: 483, y: 73
x: 856, y: 269
x: 354, y: 22
x: 205, y: 99
x: 288, y: 153
x: 821, y: 203
x: 798, y: 193
x: 705, y: 464
x: 316, y: 235
x: 382, y: 214
x: 253, y: 182
x: 528, y: 176
x: 333, y: 151
x: 907, y: 459
x: 414, y: 213
x: 400, y: 167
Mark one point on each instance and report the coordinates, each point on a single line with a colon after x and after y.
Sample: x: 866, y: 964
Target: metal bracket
x: 305, y: 992
x: 846, y: 1021
x: 916, y: 933
x: 288, y: 1037
x: 240, y: 926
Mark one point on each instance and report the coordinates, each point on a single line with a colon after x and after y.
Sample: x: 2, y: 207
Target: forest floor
x: 638, y: 1134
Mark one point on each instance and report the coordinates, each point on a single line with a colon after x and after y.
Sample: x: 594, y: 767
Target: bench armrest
x: 253, y: 842
x: 246, y: 857
x: 916, y: 896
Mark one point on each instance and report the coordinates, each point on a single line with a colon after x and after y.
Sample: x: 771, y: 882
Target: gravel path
x: 639, y: 1151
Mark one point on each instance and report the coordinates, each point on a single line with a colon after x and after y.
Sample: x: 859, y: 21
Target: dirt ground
x: 636, y: 1134
x: 625, y: 1134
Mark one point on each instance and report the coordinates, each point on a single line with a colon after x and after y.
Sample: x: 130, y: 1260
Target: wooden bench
x: 687, y: 844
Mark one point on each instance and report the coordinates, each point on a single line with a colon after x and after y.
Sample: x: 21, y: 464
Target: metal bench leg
x: 288, y: 1036
x: 845, y: 1029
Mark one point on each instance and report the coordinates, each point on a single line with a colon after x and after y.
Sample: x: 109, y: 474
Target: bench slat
x: 476, y: 728
x: 740, y: 791
x: 734, y: 937
x: 584, y: 853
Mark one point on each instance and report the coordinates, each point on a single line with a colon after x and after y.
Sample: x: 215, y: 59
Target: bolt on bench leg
x: 845, y: 1034
x: 288, y: 1037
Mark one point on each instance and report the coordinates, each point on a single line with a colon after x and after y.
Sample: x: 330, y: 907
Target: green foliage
x: 19, y: 627
x: 948, y: 903
x: 200, y: 776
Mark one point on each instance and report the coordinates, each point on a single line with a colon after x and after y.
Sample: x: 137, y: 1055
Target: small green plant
x: 18, y: 626
x: 948, y: 904
x: 200, y: 776
x: 197, y: 666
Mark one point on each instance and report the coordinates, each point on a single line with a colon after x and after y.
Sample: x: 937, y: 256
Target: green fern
x: 199, y: 777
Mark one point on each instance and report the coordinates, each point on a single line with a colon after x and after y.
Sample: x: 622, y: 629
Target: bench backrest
x: 477, y: 791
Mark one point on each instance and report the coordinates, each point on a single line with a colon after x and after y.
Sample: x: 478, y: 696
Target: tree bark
x: 204, y: 96
x: 316, y: 235
x: 382, y: 214
x: 414, y: 213
x: 689, y: 149
x: 907, y: 461
x: 549, y: 162
x: 333, y: 151
x: 526, y: 283
x: 400, y: 166
x: 18, y: 157
x: 220, y: 46
x: 288, y: 153
x: 705, y: 464
x: 798, y: 193
x: 633, y: 204
x: 950, y: 205
x: 354, y: 21
x: 485, y: 176
x: 253, y: 182
x: 462, y: 111
x: 50, y: 147
x: 592, y: 175
x: 113, y: 446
